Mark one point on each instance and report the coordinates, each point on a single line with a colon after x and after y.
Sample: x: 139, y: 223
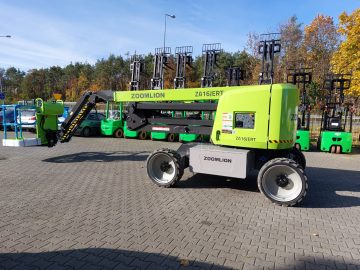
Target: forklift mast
x: 183, y: 59
x: 302, y: 77
x: 211, y: 54
x: 269, y: 45
x: 336, y: 111
x: 234, y: 75
x: 160, y: 61
x: 137, y: 66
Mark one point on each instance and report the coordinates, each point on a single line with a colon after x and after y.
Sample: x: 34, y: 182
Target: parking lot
x: 88, y: 204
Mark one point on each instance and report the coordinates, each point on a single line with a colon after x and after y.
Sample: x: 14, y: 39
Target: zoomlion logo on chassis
x: 216, y: 159
x: 148, y: 95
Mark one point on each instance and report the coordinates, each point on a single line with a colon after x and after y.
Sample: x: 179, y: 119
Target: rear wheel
x: 119, y: 133
x: 283, y: 181
x: 171, y: 137
x: 164, y: 167
x: 142, y: 135
x: 86, y: 132
x: 332, y: 149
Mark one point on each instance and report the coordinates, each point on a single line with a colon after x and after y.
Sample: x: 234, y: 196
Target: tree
x: 11, y: 81
x: 33, y: 84
x: 320, y: 42
x: 291, y: 47
x: 54, y: 81
x: 347, y: 58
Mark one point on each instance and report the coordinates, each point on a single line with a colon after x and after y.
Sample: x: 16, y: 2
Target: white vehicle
x: 28, y: 119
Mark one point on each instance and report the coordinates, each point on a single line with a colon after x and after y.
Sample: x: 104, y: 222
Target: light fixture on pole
x: 2, y: 96
x: 173, y: 17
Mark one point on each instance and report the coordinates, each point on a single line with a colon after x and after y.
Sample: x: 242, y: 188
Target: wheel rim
x: 282, y: 183
x: 161, y: 168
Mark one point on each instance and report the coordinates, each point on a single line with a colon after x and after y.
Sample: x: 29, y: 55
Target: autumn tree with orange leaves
x: 320, y: 42
x: 347, y: 58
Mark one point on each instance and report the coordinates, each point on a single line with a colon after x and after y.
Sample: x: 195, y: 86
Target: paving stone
x: 88, y: 204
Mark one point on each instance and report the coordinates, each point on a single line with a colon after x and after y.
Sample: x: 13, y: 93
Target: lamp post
x: 1, y: 88
x: 163, y: 54
x: 173, y: 17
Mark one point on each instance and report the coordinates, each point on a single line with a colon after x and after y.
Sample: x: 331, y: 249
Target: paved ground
x: 89, y: 205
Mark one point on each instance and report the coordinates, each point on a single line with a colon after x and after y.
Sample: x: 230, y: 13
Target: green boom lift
x: 254, y: 129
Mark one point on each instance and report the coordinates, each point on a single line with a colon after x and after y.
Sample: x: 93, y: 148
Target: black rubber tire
x: 171, y: 137
x: 296, y: 168
x: 119, y: 133
x: 296, y: 155
x: 179, y: 167
x: 142, y: 135
x: 86, y: 132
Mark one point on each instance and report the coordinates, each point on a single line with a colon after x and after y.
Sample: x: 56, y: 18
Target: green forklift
x: 336, y: 120
x: 210, y: 55
x: 302, y: 77
x: 161, y: 58
x: 115, y: 124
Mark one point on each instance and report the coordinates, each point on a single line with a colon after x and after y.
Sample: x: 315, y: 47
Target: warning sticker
x: 227, y: 116
x: 227, y: 123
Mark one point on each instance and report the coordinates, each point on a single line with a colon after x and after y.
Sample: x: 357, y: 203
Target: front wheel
x: 164, y: 167
x: 86, y: 132
x: 296, y: 155
x: 142, y: 135
x: 119, y: 133
x: 171, y: 137
x: 283, y: 181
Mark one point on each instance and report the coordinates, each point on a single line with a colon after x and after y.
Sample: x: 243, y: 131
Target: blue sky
x: 46, y: 33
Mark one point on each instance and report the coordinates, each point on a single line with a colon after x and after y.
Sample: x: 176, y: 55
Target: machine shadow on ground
x: 99, y: 157
x: 98, y: 258
x: 199, y: 181
x: 328, y: 188
x: 332, y: 188
x: 101, y: 258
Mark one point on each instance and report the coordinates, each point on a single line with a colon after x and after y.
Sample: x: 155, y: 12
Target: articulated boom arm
x: 79, y: 112
x: 148, y: 110
x: 151, y: 117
